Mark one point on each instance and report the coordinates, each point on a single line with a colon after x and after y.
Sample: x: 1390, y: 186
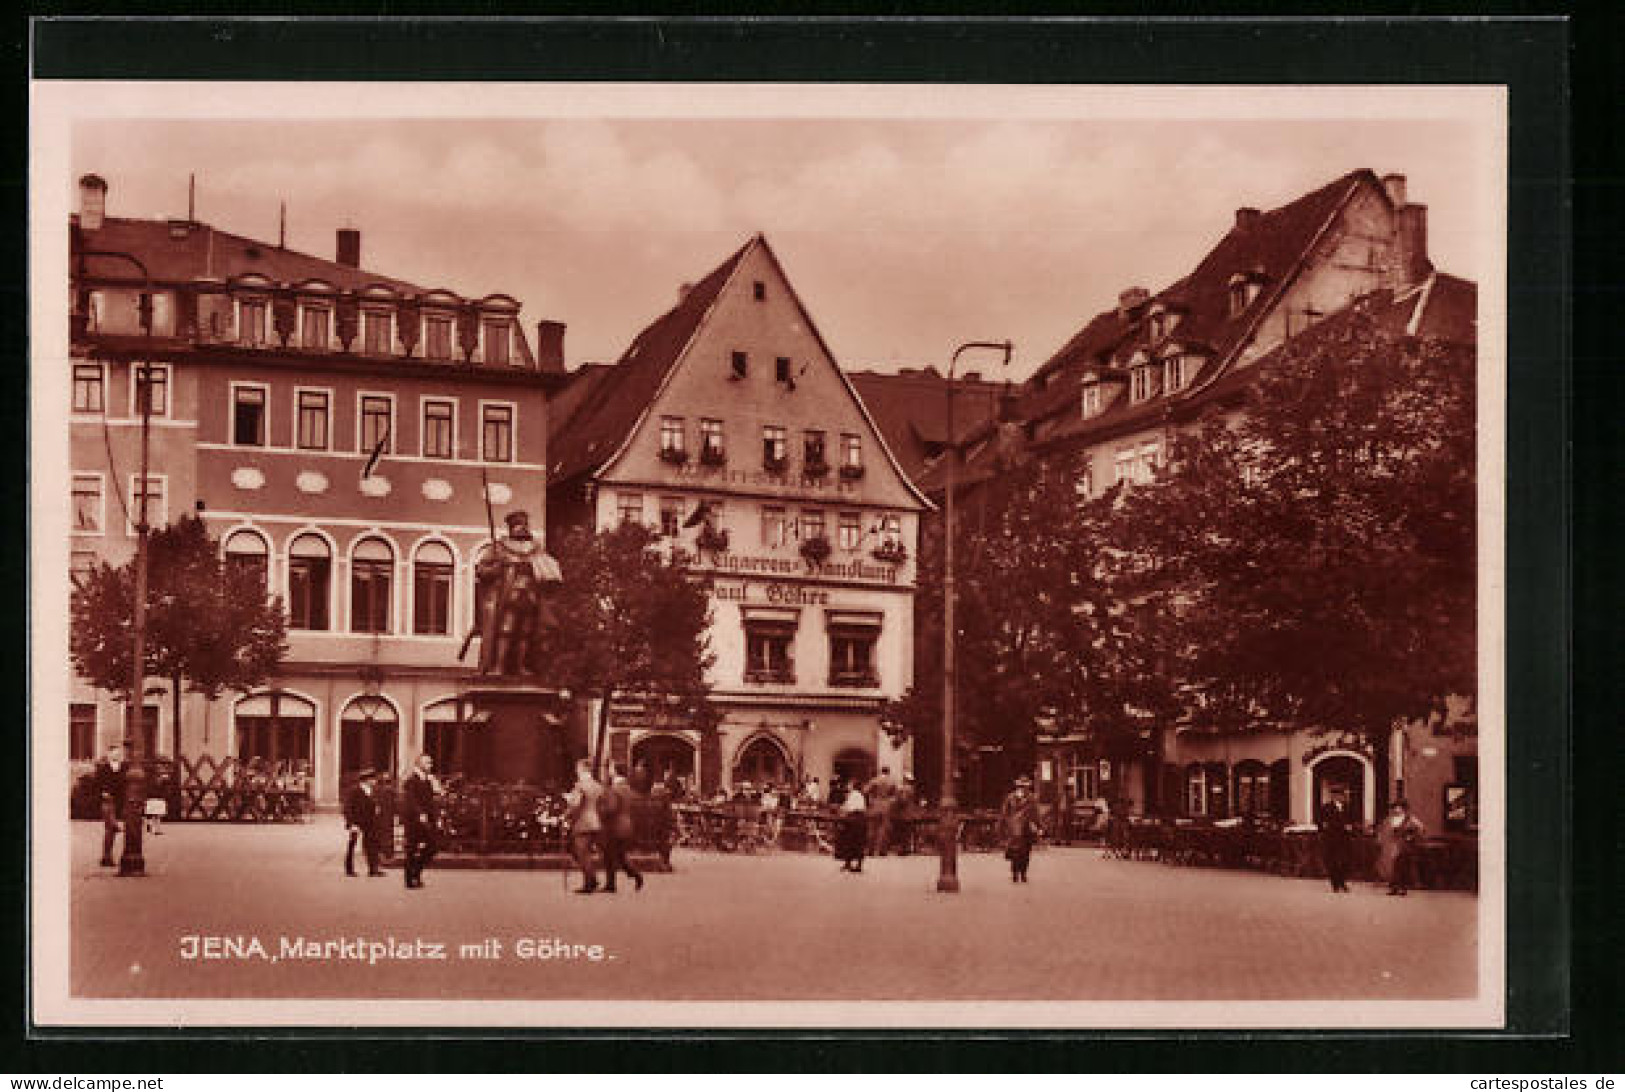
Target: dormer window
x: 496, y: 342
x: 317, y: 323
x: 437, y: 342
x: 376, y: 333
x: 251, y: 322
x: 1091, y: 398
x: 1244, y: 289
x: 1144, y: 382
x: 1177, y: 371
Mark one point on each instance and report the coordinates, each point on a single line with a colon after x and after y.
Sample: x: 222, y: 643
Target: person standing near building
x: 112, y: 784
x: 878, y: 794
x: 615, y: 815
x: 1334, y: 842
x: 585, y: 825
x: 419, y: 818
x: 852, y: 831
x: 1398, y: 840
x: 813, y: 792
x: 361, y: 820
x: 1018, y: 825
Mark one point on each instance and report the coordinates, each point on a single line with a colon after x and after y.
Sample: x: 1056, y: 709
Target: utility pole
x: 132, y: 862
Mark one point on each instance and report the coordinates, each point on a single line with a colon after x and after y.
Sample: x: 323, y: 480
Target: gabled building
x: 728, y: 426
x: 1161, y: 361
x: 336, y: 429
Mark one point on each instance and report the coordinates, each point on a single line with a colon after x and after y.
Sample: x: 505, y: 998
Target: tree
x: 636, y: 628
x: 210, y: 626
x: 1310, y: 562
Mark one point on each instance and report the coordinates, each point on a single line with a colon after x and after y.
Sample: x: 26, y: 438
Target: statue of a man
x: 515, y: 579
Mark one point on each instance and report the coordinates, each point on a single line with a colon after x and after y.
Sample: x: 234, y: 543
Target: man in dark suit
x: 1334, y: 842
x: 615, y: 812
x: 418, y: 812
x: 361, y: 820
x: 112, y: 780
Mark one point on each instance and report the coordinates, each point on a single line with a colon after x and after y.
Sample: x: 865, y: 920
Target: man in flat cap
x: 515, y: 579
x: 361, y: 820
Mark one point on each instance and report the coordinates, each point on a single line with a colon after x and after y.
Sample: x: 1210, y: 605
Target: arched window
x: 274, y: 728
x: 368, y: 731
x: 432, y: 571
x: 371, y: 567
x: 310, y: 573
x: 247, y: 552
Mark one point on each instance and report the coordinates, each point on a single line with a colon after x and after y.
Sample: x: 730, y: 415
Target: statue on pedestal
x: 515, y: 581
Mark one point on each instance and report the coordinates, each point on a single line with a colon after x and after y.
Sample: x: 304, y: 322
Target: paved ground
x: 773, y: 926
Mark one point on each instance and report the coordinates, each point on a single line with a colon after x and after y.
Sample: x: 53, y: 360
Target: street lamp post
x: 948, y: 834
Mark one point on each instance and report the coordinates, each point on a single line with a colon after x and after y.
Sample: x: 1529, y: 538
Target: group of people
x: 1399, y: 843
x: 872, y: 819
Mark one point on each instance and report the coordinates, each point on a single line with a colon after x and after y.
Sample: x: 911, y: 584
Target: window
x: 741, y: 364
x: 496, y: 433
x: 851, y: 532
x: 376, y: 332
x: 1196, y: 791
x: 248, y: 416
x: 671, y: 516
x: 316, y: 324
x: 496, y: 343
x: 431, y: 589
x: 711, y: 447
x: 1174, y: 373
x: 672, y: 440
x: 812, y: 524
x: 371, y: 566
x: 1085, y: 485
x: 439, y: 417
x: 155, y: 377
x: 1144, y: 382
x: 1252, y: 789
x: 377, y: 415
x: 89, y: 388
x: 781, y: 369
x: 758, y: 291
x: 81, y: 732
x: 767, y: 651
x: 851, y: 451
x: 157, y: 501
x: 629, y: 507
x: 89, y: 509
x: 891, y: 527
x: 1243, y: 291
x: 775, y: 526
x: 312, y: 420
x: 1091, y: 399
x: 438, y: 339
x: 813, y: 458
x: 310, y: 566
x: 852, y: 654
x: 246, y: 552
x: 251, y: 323
x: 775, y: 447
x: 1137, y: 465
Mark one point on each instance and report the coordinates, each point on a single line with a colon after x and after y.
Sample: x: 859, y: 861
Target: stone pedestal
x: 524, y: 735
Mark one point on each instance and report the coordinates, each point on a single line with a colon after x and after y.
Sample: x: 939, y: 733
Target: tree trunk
x: 710, y: 760
x: 599, y: 734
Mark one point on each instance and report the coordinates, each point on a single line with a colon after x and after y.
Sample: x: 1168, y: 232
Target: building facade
x: 729, y: 427
x: 339, y: 432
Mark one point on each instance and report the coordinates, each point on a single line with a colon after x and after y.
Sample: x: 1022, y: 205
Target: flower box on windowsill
x: 712, y: 540
x: 893, y: 553
x: 775, y: 466
x: 815, y: 550
x: 781, y: 676
x: 676, y: 456
x: 854, y: 678
x: 710, y: 456
x: 851, y: 473
x: 815, y: 469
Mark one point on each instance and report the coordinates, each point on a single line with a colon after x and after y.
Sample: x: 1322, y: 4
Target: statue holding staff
x: 514, y: 581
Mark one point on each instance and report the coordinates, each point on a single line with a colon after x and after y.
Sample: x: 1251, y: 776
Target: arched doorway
x: 1340, y: 774
x: 666, y: 756
x: 762, y: 761
x: 368, y: 732
x: 275, y: 727
x: 454, y: 736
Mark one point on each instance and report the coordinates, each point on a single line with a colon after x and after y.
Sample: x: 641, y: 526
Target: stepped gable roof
x: 613, y: 398
x: 206, y: 251
x: 910, y: 409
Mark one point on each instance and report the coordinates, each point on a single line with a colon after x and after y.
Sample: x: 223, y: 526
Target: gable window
x: 814, y: 462
x: 431, y: 589
x: 629, y: 507
x: 496, y: 433
x: 711, y: 450
x: 767, y: 649
x: 851, y: 455
x: 1091, y: 399
x: 673, y: 441
x: 156, y: 496
x: 251, y: 323
x: 377, y: 415
x: 496, y: 343
x: 371, y: 567
x: 775, y: 526
x: 671, y: 516
x: 314, y: 335
x: 248, y: 416
x: 155, y: 378
x: 89, y: 388
x: 851, y: 530
x: 439, y: 420
x: 741, y: 364
x: 89, y: 509
x: 781, y: 369
x: 437, y: 342
x: 376, y: 333
x: 312, y: 422
x: 81, y: 731
x: 775, y: 448
x: 758, y: 290
x: 310, y: 567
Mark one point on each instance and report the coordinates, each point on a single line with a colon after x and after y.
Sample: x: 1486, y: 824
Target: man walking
x: 585, y: 824
x: 615, y: 813
x: 112, y: 783
x: 1334, y: 842
x: 361, y: 820
x: 418, y: 802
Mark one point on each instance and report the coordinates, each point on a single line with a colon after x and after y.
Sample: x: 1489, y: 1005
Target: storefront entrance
x: 1340, y: 775
x: 666, y: 756
x: 762, y: 761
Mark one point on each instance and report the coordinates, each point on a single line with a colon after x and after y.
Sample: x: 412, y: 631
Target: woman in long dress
x: 852, y: 831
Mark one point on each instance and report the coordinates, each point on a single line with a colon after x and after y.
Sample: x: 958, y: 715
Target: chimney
x: 349, y: 247
x: 1246, y: 219
x: 550, y: 346
x: 92, y: 201
x: 1394, y: 184
x: 1130, y: 300
x: 1412, y: 242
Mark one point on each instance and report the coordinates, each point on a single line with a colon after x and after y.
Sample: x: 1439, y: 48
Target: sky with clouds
x: 903, y: 237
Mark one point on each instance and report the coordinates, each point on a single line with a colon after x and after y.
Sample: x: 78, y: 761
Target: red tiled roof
x: 611, y: 398
x: 911, y: 411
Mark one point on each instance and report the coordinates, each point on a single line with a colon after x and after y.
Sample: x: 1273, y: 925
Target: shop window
x: 439, y: 428
x: 496, y: 433
x: 248, y: 416
x: 371, y: 568
x: 81, y: 731
x: 377, y: 416
x: 89, y: 388
x: 311, y: 427
x: 89, y: 504
x: 432, y: 571
x: 310, y: 567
